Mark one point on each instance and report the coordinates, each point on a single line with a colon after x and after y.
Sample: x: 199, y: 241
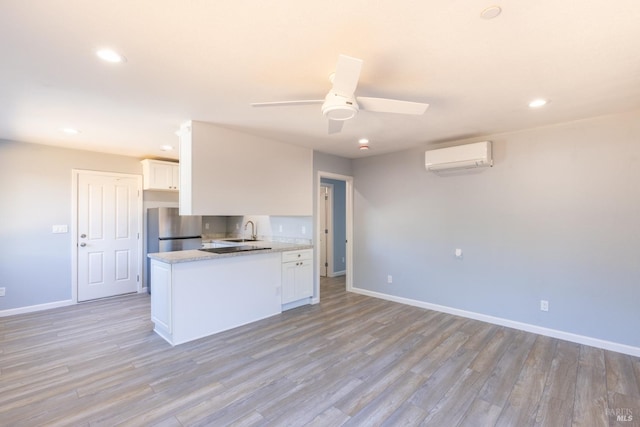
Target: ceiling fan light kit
x: 341, y: 104
x: 338, y: 107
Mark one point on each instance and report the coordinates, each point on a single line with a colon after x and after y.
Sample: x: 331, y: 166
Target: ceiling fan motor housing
x: 339, y: 107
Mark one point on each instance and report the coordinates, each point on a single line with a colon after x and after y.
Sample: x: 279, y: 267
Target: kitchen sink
x: 240, y: 240
x: 233, y: 249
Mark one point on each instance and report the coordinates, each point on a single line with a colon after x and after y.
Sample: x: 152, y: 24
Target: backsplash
x: 270, y: 228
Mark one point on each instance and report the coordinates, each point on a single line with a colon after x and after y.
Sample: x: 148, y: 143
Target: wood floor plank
x: 386, y: 403
x: 522, y: 405
x: 407, y: 414
x: 351, y: 360
x: 443, y: 379
x: 620, y: 376
x: 498, y: 387
x: 453, y: 404
x: 591, y: 399
x: 481, y: 413
x: 330, y: 417
x: 559, y: 392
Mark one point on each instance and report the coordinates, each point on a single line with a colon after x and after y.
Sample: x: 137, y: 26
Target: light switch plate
x: 64, y: 228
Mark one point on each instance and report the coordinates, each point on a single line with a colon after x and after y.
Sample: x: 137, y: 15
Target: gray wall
x: 556, y: 218
x: 338, y: 218
x: 35, y: 265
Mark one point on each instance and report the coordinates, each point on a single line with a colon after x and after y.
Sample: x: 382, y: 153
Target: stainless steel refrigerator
x: 168, y: 231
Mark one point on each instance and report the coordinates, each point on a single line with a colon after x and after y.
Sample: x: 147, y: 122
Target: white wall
x: 556, y: 218
x: 225, y: 172
x: 35, y: 265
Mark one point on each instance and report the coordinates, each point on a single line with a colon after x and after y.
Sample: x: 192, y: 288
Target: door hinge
x: 138, y: 278
x: 138, y: 236
x: 326, y: 231
x: 326, y: 264
x: 326, y: 197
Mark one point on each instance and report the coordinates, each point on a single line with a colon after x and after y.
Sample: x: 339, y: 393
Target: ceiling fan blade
x: 345, y: 79
x: 285, y: 103
x: 383, y: 105
x: 335, y: 126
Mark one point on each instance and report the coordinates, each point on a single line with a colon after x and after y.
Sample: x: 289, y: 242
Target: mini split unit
x: 466, y: 156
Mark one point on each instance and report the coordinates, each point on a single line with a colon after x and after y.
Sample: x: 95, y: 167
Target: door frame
x: 349, y: 230
x: 75, y: 174
x: 329, y: 223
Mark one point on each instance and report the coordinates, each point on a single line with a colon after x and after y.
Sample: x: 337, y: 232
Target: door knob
x: 82, y: 236
x: 83, y: 244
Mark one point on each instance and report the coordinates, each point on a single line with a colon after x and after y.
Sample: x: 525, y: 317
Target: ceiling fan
x: 341, y: 104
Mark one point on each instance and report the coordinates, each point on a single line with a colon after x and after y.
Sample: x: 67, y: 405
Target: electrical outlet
x: 3, y: 291
x: 389, y: 279
x: 544, y: 305
x: 280, y: 228
x: 342, y: 259
x: 206, y: 225
x: 304, y: 230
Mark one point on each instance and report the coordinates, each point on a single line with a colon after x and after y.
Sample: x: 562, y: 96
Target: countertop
x: 197, y: 255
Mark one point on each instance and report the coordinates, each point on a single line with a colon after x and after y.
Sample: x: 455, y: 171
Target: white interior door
x: 108, y: 257
x: 323, y: 230
x: 326, y: 250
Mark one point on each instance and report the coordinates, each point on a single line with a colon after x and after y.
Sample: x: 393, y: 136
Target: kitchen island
x: 197, y: 293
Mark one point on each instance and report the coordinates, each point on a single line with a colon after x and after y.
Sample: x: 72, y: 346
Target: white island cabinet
x: 191, y: 300
x: 297, y: 278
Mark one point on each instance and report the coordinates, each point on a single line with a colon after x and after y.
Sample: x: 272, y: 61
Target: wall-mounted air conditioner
x: 475, y: 155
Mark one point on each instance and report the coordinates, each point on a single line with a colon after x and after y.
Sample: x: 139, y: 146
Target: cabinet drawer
x: 305, y: 254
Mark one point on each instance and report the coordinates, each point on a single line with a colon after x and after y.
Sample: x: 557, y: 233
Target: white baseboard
x: 296, y: 304
x: 553, y: 333
x: 338, y: 273
x: 34, y: 308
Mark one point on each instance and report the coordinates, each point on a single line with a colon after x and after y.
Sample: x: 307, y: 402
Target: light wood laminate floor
x: 351, y: 360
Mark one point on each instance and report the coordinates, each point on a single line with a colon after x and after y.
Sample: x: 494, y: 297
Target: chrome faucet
x: 254, y: 235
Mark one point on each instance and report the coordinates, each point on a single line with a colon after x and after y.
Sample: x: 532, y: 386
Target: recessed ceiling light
x: 70, y: 131
x: 363, y: 141
x: 110, y: 56
x: 166, y: 148
x: 537, y: 103
x: 491, y: 12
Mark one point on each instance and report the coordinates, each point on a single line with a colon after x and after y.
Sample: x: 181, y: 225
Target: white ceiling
x: 208, y: 60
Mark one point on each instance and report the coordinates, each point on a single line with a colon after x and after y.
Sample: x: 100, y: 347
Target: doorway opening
x: 334, y: 223
x: 327, y: 232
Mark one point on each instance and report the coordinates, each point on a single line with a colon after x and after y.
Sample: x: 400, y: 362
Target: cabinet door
x: 289, y: 282
x: 160, y: 176
x: 304, y: 280
x: 175, y: 177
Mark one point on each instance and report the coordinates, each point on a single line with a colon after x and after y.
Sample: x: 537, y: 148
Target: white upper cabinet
x: 226, y: 172
x: 160, y: 175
